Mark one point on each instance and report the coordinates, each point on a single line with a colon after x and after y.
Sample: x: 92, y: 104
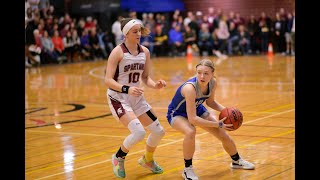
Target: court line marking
x: 162, y: 145
x: 92, y: 72
x: 223, y: 153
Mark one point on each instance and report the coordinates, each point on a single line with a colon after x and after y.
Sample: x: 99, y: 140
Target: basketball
x: 234, y: 117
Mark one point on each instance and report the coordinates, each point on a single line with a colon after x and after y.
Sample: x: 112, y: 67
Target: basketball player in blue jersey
x: 186, y: 111
x: 127, y: 64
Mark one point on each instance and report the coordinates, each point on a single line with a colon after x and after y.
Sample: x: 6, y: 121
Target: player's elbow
x: 107, y: 81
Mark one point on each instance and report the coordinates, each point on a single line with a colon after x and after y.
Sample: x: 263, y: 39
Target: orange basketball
x: 234, y: 117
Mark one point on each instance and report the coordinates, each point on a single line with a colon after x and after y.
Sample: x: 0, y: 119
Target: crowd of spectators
x: 51, y: 38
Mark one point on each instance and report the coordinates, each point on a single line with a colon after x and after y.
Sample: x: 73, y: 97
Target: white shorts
x: 120, y: 103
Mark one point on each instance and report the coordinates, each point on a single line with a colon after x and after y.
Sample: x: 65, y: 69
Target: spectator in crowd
x: 264, y: 29
x: 160, y: 42
x: 147, y: 41
x: 233, y: 39
x: 289, y: 34
x: 49, y: 55
x: 223, y: 34
x: 244, y: 40
x: 116, y: 31
x: 190, y: 38
x: 94, y: 43
x: 108, y: 40
x: 176, y: 41
x: 204, y: 40
x: 279, y: 29
x: 253, y: 29
x: 58, y: 46
x: 34, y: 4
x: 86, y: 48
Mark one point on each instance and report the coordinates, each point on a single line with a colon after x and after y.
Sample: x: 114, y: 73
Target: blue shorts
x: 171, y: 114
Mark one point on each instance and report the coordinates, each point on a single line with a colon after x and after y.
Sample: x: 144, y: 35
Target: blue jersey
x: 177, y: 107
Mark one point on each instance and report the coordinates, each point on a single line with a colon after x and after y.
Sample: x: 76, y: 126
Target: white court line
x: 91, y: 72
x: 83, y: 134
x: 90, y: 165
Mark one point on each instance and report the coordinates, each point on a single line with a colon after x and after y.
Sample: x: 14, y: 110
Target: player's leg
x: 228, y: 144
x: 151, y: 122
x: 123, y: 112
x: 182, y: 125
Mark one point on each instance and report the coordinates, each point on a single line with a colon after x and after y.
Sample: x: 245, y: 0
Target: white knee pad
x: 137, y: 134
x: 156, y: 133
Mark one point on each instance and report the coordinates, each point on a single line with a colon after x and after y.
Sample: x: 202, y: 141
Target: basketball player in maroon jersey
x: 127, y: 64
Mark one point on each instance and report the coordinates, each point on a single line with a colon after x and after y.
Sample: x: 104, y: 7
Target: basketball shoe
x: 188, y: 174
x: 241, y: 164
x: 152, y: 165
x: 118, y: 166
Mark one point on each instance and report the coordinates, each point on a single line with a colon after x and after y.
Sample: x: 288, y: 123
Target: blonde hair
x: 208, y: 63
x: 144, y: 31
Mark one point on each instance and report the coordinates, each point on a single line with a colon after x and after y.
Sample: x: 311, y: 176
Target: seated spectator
x: 108, y: 41
x: 148, y: 40
x: 244, y: 40
x: 204, y: 42
x: 216, y: 45
x: 94, y: 43
x: 76, y: 44
x: 86, y: 49
x: 58, y: 46
x: 223, y: 34
x: 233, y: 39
x: 160, y: 42
x: 69, y: 46
x: 190, y: 38
x: 49, y: 55
x: 100, y: 35
x: 176, y: 41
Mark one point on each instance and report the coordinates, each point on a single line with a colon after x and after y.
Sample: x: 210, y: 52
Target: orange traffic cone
x: 270, y: 49
x: 189, y: 57
x: 189, y: 51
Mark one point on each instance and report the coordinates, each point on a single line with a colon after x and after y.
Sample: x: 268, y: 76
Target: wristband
x: 125, y: 89
x: 220, y: 124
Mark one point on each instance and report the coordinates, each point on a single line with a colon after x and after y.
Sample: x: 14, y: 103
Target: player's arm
x: 112, y: 63
x: 115, y: 56
x: 146, y: 79
x: 211, y: 102
x: 189, y: 93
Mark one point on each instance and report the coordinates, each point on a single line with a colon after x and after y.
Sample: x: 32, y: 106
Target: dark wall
x: 244, y: 7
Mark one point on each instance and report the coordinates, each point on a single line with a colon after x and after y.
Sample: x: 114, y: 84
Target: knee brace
x: 156, y: 133
x: 137, y: 134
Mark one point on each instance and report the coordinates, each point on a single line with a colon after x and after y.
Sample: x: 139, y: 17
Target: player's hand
x: 225, y: 126
x: 160, y: 84
x: 135, y: 91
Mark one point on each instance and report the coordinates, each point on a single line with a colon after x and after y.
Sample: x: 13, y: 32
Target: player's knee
x: 191, y: 132
x: 156, y: 133
x: 139, y: 136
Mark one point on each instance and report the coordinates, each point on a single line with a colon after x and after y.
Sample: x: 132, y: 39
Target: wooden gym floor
x: 71, y: 134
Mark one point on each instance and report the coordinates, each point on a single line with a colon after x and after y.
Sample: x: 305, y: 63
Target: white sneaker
x: 188, y: 174
x: 241, y: 164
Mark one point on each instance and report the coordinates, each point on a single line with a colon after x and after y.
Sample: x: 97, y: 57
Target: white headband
x: 129, y: 25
